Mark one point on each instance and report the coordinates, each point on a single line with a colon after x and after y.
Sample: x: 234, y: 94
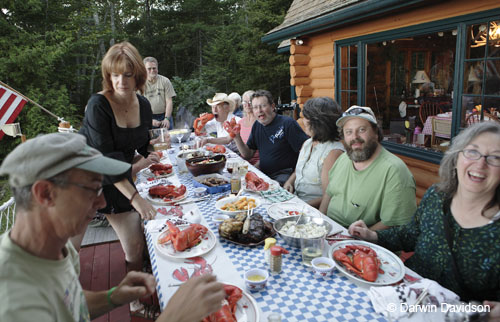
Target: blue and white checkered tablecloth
x: 295, y: 293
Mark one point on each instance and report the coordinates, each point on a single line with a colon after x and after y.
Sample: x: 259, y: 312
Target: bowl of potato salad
x: 307, y: 227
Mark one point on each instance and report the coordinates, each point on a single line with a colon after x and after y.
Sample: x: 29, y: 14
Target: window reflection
x: 411, y: 79
x: 481, y: 90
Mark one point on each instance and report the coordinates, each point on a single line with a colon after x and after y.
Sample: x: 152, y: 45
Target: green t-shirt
x: 37, y: 289
x: 384, y: 191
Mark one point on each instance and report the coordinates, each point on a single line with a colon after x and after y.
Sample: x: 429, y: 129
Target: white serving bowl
x: 254, y: 286
x: 321, y: 270
x: 220, y: 203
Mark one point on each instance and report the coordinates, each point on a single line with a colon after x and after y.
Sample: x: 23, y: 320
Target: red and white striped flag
x: 11, y: 105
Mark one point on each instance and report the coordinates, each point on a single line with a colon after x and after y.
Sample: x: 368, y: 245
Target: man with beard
x: 278, y: 139
x: 367, y: 182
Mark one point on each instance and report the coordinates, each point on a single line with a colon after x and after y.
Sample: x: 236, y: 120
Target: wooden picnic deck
x: 103, y: 266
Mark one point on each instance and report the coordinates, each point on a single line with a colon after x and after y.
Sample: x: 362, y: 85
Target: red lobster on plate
x: 255, y: 183
x: 200, y: 122
x: 228, y: 310
x: 168, y: 192
x: 361, y: 260
x: 232, y: 127
x: 160, y: 169
x: 183, y: 239
x: 216, y: 148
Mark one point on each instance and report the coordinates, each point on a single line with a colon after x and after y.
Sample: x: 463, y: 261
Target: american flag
x: 11, y: 105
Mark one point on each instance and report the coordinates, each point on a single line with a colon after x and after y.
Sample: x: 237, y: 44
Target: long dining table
x: 296, y: 294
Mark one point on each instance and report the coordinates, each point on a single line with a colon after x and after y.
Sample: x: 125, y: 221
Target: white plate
x: 159, y: 201
x: 148, y: 174
x: 273, y: 185
x: 231, y: 199
x: 207, y: 243
x: 280, y: 210
x: 394, y: 269
x: 247, y: 309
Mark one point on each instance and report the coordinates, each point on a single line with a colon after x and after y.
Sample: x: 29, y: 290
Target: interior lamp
x: 420, y: 78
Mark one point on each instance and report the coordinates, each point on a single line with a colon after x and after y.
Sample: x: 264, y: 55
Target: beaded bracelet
x: 110, y: 291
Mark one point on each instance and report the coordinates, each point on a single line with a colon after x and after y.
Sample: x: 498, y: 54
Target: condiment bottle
x: 235, y: 180
x: 416, y: 132
x: 268, y: 243
x: 276, y: 259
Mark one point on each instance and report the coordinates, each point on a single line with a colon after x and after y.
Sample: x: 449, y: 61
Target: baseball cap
x: 48, y: 155
x: 357, y: 111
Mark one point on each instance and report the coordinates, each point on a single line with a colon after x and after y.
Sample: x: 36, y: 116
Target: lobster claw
x: 181, y: 275
x: 200, y: 122
x: 232, y: 127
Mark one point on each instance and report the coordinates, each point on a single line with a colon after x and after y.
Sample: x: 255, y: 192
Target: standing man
x: 56, y: 180
x: 278, y: 139
x: 159, y: 91
x: 367, y: 182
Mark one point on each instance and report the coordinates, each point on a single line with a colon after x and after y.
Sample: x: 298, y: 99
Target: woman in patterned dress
x: 455, y: 231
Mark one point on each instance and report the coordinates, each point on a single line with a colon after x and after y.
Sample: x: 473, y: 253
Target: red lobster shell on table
x: 160, y: 169
x: 232, y: 127
x: 200, y: 123
x: 361, y: 260
x: 183, y: 239
x: 216, y: 148
x: 228, y: 310
x: 168, y: 192
x: 255, y: 183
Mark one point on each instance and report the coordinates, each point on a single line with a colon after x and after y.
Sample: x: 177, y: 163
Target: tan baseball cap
x: 48, y: 155
x: 357, y: 111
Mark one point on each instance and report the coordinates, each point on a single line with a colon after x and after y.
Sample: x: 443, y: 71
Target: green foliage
x: 52, y: 50
x: 192, y: 94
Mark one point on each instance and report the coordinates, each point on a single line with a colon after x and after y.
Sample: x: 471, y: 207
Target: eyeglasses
x: 97, y: 191
x: 493, y: 160
x: 247, y: 102
x: 355, y: 111
x: 256, y: 107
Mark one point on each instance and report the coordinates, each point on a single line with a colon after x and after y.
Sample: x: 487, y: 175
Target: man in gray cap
x: 367, y: 182
x: 56, y: 180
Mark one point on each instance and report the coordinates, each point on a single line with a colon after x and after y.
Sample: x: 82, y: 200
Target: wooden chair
x: 475, y: 117
x: 428, y: 109
x: 472, y: 118
x: 441, y: 130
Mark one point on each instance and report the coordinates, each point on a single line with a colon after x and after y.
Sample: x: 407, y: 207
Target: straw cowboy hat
x: 222, y: 97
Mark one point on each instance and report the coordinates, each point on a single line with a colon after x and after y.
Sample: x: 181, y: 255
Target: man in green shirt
x: 367, y: 182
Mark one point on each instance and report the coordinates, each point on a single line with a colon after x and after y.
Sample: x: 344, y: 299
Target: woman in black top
x: 116, y: 123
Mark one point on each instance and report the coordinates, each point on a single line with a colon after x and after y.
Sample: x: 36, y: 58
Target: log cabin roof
x: 309, y: 16
x: 302, y: 10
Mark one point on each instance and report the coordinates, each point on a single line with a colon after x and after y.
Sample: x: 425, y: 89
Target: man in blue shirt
x: 278, y: 139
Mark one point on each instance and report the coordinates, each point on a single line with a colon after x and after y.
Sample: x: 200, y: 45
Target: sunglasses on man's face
x: 355, y: 111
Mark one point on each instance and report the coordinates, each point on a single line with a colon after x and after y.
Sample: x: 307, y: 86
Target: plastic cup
x: 311, y: 248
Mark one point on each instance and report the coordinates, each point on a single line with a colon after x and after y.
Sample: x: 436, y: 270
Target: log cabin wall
x: 312, y: 64
x: 425, y: 174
